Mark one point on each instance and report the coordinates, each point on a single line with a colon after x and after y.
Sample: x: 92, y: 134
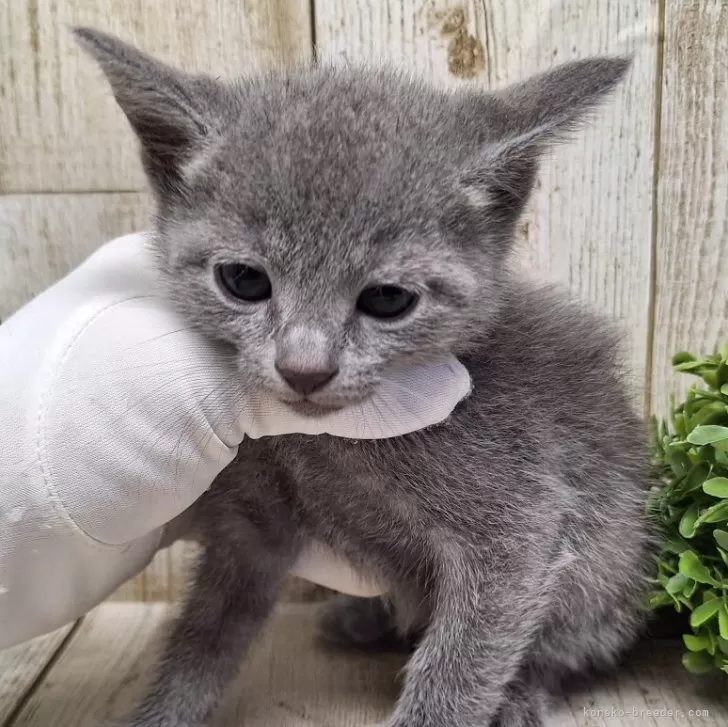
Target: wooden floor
x: 82, y: 674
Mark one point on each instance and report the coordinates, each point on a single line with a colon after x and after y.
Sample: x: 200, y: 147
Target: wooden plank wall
x: 632, y: 216
x: 690, y: 295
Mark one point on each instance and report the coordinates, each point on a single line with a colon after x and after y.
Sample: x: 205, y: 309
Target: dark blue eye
x: 386, y: 301
x: 244, y: 282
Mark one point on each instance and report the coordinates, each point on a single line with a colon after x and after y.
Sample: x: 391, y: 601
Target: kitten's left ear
x: 528, y: 117
x: 173, y: 114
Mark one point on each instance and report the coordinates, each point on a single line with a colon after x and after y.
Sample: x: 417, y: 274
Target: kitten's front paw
x: 525, y: 710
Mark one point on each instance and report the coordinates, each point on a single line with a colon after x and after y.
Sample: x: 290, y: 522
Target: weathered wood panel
x: 164, y: 579
x: 42, y: 237
x: 22, y: 666
x: 590, y: 224
x: 61, y: 130
x: 292, y: 679
x: 691, y: 305
x: 92, y: 674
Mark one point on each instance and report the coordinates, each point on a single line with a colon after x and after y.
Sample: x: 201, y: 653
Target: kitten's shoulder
x: 544, y: 334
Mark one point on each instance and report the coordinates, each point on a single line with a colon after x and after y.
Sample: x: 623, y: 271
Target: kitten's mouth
x: 308, y: 408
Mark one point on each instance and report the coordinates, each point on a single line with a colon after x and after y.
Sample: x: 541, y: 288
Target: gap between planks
x: 23, y: 669
x: 655, y: 222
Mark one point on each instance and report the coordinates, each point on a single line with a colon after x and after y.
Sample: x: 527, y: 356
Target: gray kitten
x: 329, y: 224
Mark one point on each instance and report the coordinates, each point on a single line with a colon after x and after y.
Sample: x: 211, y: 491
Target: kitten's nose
x: 306, y: 381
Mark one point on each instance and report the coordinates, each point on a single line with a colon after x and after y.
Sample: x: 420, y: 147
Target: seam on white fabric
x: 41, y: 450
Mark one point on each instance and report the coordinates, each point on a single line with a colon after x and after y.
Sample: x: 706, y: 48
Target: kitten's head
x: 332, y: 223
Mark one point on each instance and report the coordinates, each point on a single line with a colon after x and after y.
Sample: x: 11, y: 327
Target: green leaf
x: 691, y: 567
x: 690, y: 589
x: 706, y: 454
x: 679, y: 461
x: 711, y: 378
x: 696, y: 399
x: 689, y: 365
x: 658, y: 599
x: 721, y: 537
x: 716, y: 486
x: 698, y: 662
x: 723, y: 645
x: 704, y: 613
x: 724, y: 389
x: 708, y: 434
x: 682, y: 357
x: 694, y: 479
x: 715, y: 514
x: 677, y: 583
x: 724, y: 351
x: 714, y: 412
x: 675, y: 544
x: 723, y: 555
x: 722, y: 373
x: 723, y: 621
x: 688, y: 520
x: 696, y: 643
x: 712, y: 640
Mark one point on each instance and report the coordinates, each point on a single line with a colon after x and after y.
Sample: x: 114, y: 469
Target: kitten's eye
x: 244, y: 282
x: 386, y: 301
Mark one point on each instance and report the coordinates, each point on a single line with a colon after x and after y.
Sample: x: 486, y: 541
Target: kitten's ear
x: 529, y: 117
x: 171, y: 112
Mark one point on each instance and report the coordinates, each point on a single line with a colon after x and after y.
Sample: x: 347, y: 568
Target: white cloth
x: 115, y: 417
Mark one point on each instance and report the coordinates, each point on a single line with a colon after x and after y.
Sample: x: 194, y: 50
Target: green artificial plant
x: 690, y: 503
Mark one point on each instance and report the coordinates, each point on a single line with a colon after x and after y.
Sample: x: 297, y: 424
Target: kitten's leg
x: 484, y: 619
x: 238, y: 579
x: 524, y: 704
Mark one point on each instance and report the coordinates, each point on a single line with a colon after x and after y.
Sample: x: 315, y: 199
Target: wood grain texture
x: 21, y: 667
x: 43, y: 237
x: 289, y: 679
x: 691, y: 306
x: 590, y: 221
x: 164, y: 579
x: 94, y: 672
x: 651, y: 689
x: 61, y: 129
x: 292, y: 679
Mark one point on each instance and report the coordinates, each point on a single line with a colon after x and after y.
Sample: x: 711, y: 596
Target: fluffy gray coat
x: 512, y: 537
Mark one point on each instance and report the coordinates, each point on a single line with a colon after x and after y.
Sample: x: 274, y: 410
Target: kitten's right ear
x: 525, y: 120
x: 171, y: 112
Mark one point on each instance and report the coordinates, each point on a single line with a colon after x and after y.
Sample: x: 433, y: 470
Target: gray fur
x: 512, y: 536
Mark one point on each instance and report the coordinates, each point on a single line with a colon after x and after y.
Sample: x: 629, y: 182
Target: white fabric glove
x: 115, y: 417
